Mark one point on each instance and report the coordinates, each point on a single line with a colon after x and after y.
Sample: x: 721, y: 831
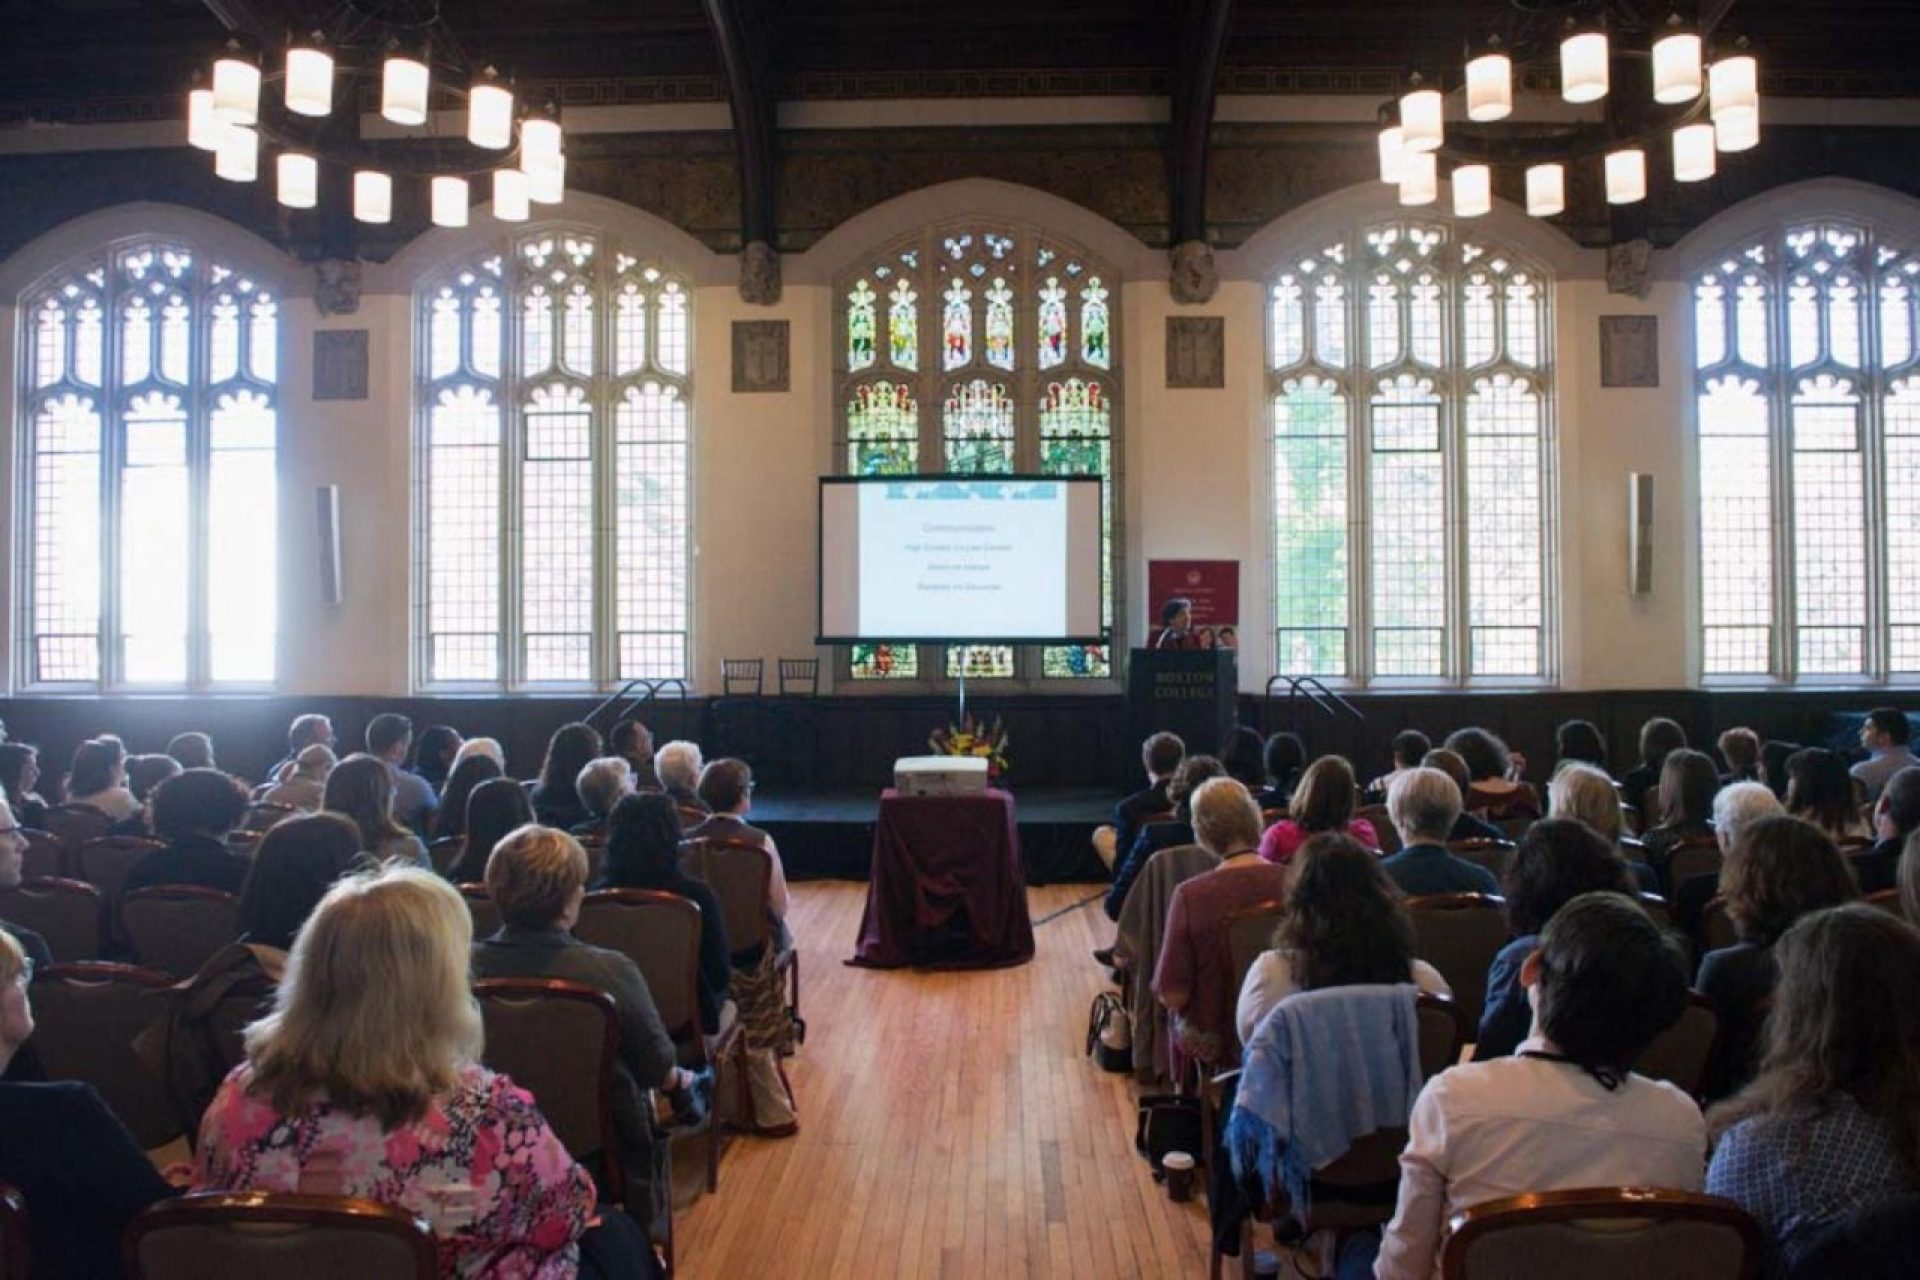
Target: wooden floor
x: 950, y: 1126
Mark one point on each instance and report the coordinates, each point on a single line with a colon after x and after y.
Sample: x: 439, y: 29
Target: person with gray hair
x: 600, y: 785
x: 1423, y: 805
x: 1738, y: 806
x: 678, y: 763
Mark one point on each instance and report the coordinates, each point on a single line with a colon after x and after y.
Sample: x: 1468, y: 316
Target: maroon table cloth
x: 946, y: 890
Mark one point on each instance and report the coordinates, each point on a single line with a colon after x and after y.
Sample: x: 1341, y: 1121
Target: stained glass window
x: 554, y: 467
x: 1409, y: 471
x: 1023, y: 384
x: 1804, y: 361
x: 172, y: 446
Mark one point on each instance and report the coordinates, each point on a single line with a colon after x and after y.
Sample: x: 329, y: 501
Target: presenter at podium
x: 1176, y: 626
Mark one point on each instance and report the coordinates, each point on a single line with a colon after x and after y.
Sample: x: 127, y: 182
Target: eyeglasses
x: 24, y: 978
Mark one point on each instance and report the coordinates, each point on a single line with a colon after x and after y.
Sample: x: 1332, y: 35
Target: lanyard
x: 1609, y: 1078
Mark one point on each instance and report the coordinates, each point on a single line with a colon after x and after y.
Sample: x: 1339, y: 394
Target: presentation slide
x: 962, y: 558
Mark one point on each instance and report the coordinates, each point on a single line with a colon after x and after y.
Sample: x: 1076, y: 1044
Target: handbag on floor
x: 1110, y: 1033
x: 1168, y: 1122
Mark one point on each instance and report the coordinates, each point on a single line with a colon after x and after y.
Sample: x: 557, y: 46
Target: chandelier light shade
x: 309, y: 81
x: 1626, y: 176
x: 550, y: 184
x: 1421, y: 128
x: 510, y: 195
x: 1676, y: 67
x: 1583, y: 67
x: 539, y: 144
x: 236, y: 88
x: 1472, y: 191
x: 449, y: 202
x: 1392, y: 152
x: 203, y: 127
x: 1733, y: 84
x: 1693, y: 148
x: 1419, y: 178
x: 299, y: 180
x: 490, y: 116
x: 237, y: 158
x: 1489, y: 88
x: 1737, y: 131
x: 403, y: 90
x: 372, y: 196
x: 1546, y: 190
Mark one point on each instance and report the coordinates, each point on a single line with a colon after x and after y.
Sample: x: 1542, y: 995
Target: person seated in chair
x: 305, y: 731
x: 19, y: 774
x: 678, y: 765
x: 13, y: 852
x: 1820, y: 791
x: 1324, y: 801
x: 1658, y: 738
x: 1466, y: 826
x: 1567, y: 1111
x: 1160, y: 755
x: 194, y: 813
x: 1740, y: 748
x: 144, y: 776
x: 600, y: 786
x: 1410, y: 747
x: 1895, y: 817
x: 193, y: 750
x: 99, y: 778
x: 726, y: 792
x: 633, y: 742
x: 1423, y: 805
x: 1165, y: 834
x: 390, y: 739
x: 1885, y: 735
x: 1498, y: 790
x: 303, y: 786
x: 1684, y: 805
x: 643, y: 852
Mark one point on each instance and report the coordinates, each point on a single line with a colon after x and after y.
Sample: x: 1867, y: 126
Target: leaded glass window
x: 553, y: 477
x: 1411, y: 519
x: 999, y: 347
x: 1806, y: 386
x: 151, y: 412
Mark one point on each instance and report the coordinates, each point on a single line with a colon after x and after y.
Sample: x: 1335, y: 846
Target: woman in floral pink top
x: 363, y: 1082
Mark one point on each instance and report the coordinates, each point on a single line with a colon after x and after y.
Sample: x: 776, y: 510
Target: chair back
x: 799, y: 676
x: 1716, y: 926
x: 739, y: 676
x: 1495, y: 855
x: 1885, y: 899
x: 1443, y: 1033
x: 1603, y: 1232
x: 1630, y: 819
x: 691, y: 815
x: 740, y: 873
x: 104, y: 862
x: 75, y: 824
x: 175, y: 927
x: 64, y: 912
x: 46, y: 857
x: 1681, y: 1053
x: 261, y: 815
x: 486, y: 916
x: 1270, y: 816
x: 1459, y: 934
x: 1375, y: 815
x: 445, y: 852
x: 659, y: 932
x: 1515, y: 827
x: 1658, y: 910
x: 559, y: 1041
x: 85, y: 1019
x: 256, y: 1235
x: 1248, y: 933
x: 1694, y: 856
x: 16, y: 1241
x: 245, y: 842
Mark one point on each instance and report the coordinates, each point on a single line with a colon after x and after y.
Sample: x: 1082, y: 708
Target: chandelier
x: 402, y: 53
x: 1693, y: 110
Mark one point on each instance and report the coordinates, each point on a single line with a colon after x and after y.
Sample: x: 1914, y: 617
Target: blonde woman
x: 1586, y: 794
x: 363, y: 1081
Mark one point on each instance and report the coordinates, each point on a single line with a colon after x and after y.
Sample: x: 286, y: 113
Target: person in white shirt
x: 1885, y: 735
x: 99, y: 778
x: 1566, y: 1111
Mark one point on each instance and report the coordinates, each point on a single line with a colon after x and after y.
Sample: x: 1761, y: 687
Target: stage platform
x: 829, y: 834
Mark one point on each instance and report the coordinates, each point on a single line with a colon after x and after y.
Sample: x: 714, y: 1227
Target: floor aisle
x: 951, y: 1126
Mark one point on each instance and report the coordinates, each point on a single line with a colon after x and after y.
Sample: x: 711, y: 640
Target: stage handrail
x: 653, y: 689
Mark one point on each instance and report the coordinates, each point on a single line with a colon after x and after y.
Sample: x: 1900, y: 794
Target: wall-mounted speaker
x: 326, y: 502
x: 1639, y: 533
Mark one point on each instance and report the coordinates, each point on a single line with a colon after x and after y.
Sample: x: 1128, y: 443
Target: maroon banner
x: 1212, y: 585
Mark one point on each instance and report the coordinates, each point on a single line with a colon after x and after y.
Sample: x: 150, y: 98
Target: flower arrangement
x: 976, y: 738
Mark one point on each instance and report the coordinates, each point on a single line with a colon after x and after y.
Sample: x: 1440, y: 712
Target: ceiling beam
x: 740, y: 37
x: 1202, y: 39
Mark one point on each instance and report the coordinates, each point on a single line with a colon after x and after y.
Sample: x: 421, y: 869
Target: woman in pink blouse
x: 1323, y: 801
x: 363, y: 1081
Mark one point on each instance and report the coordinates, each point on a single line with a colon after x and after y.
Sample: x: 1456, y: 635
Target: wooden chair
x: 1716, y: 927
x: 1681, y: 1053
x: 1247, y: 933
x: 67, y: 913
x: 799, y: 676
x: 176, y: 927
x: 1376, y: 815
x: 260, y: 816
x: 73, y: 825
x: 1630, y: 819
x: 257, y: 1235
x: 1693, y: 856
x: 1604, y: 1231
x: 86, y: 1018
x: 559, y: 1041
x: 691, y: 816
x: 1459, y: 934
x: 740, y: 873
x: 245, y: 842
x: 1515, y: 827
x: 742, y: 676
x: 1494, y: 855
x: 16, y: 1236
x: 660, y: 932
x: 445, y: 853
x: 486, y: 916
x: 104, y: 862
x: 1658, y: 908
x: 1885, y: 899
x: 46, y: 857
x: 1270, y: 816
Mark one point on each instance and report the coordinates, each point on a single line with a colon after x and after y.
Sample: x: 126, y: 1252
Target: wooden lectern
x: 1190, y: 692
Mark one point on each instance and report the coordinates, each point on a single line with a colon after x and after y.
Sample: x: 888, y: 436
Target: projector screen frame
x: 820, y: 575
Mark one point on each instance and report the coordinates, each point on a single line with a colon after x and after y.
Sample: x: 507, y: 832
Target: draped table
x: 946, y: 891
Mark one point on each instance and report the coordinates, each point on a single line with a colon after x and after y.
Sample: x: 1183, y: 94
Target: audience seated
x: 433, y: 754
x: 1409, y: 748
x: 303, y: 784
x: 1586, y: 794
x: 1557, y: 860
x: 1735, y: 808
x: 144, y: 776
x: 1160, y: 755
x: 194, y: 813
x: 1895, y: 817
x: 1658, y: 737
x: 1885, y: 735
x: 643, y: 852
x: 1567, y: 1111
x: 556, y: 801
x: 1243, y: 755
x: 600, y: 785
x: 81, y: 1173
x: 1423, y: 805
x: 1286, y: 760
x: 1496, y: 790
x: 1820, y: 791
x: 1345, y: 925
x: 305, y: 731
x: 1324, y: 801
x: 13, y: 852
x: 1193, y: 978
x: 1781, y: 869
x: 488, y: 747
x: 1831, y: 1125
x: 1466, y: 826
x: 633, y: 742
x: 1579, y: 741
x: 389, y: 738
x: 192, y: 750
x: 1740, y: 748
x: 1684, y: 806
x: 494, y: 808
x: 99, y: 778
x: 450, y: 819
x: 1773, y: 765
x: 361, y: 787
x: 1167, y: 834
x: 677, y: 765
x: 364, y: 1081
x: 726, y: 792
x: 19, y: 775
x: 293, y: 867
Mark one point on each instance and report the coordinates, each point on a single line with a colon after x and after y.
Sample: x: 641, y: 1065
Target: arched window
x: 553, y: 498
x: 149, y: 523
x: 1410, y: 379
x: 979, y: 349
x: 1807, y: 382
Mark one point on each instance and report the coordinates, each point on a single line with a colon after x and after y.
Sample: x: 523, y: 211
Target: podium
x: 1190, y: 692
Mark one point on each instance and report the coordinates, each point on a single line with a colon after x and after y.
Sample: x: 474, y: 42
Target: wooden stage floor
x: 950, y: 1126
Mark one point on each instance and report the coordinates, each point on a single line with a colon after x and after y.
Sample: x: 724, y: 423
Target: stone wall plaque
x: 340, y: 364
x: 760, y: 355
x: 1196, y: 352
x: 1629, y: 351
